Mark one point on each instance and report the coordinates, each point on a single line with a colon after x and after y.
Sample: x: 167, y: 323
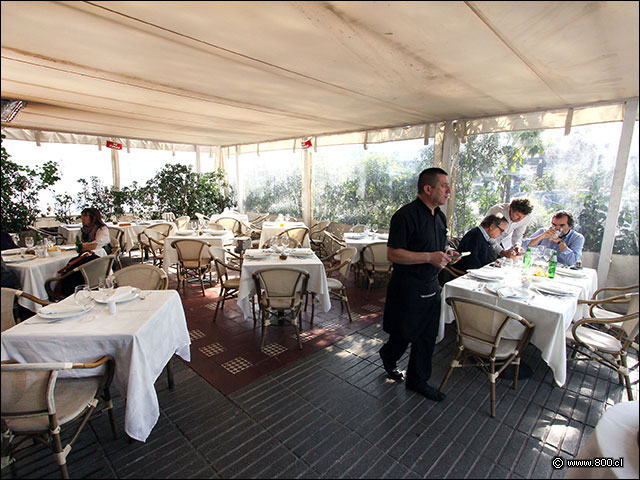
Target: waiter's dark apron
x: 412, y: 303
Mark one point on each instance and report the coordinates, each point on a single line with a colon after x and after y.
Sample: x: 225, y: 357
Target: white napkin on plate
x: 120, y: 293
x: 506, y: 292
x: 60, y: 309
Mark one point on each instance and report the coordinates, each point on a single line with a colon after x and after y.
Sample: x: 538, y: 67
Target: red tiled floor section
x: 227, y: 353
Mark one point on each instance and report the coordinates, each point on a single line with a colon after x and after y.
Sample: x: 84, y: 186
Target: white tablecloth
x: 142, y: 337
x: 615, y: 437
x: 33, y: 273
x: 271, y: 229
x: 552, y: 315
x: 312, y: 264
x: 171, y: 255
x: 359, y: 240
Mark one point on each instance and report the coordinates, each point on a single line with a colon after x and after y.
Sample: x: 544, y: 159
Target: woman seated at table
x: 94, y: 233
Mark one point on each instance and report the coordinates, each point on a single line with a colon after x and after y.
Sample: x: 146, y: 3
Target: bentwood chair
x: 280, y: 293
x: 142, y: 276
x: 229, y: 286
x: 194, y: 260
x: 38, y: 404
x: 117, y: 241
x: 9, y: 303
x: 88, y: 273
x: 337, y: 286
x: 297, y: 233
x: 151, y: 241
x: 606, y: 340
x: 374, y: 264
x: 231, y: 224
x: 488, y: 337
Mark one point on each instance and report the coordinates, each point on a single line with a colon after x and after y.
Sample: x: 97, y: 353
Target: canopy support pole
x: 617, y: 185
x: 115, y: 169
x: 445, y: 156
x: 307, y: 197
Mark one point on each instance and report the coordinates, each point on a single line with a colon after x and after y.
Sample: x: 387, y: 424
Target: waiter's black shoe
x: 426, y: 390
x: 392, y: 370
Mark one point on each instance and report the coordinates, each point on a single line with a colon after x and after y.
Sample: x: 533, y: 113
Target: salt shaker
x: 112, y: 307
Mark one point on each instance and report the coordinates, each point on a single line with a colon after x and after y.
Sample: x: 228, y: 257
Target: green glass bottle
x: 553, y: 262
x: 526, y: 261
x: 78, y: 244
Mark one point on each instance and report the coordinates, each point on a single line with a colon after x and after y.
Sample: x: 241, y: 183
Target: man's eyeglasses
x: 501, y: 229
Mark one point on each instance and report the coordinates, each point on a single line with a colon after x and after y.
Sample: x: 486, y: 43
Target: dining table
x: 360, y: 240
x: 147, y: 329
x: 302, y: 258
x: 550, y: 303
x: 33, y: 271
x: 215, y: 238
x: 271, y: 229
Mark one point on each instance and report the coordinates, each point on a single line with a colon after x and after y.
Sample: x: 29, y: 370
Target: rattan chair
x: 52, y: 233
x: 607, y: 340
x: 37, y: 404
x: 194, y: 261
x: 374, y: 263
x: 151, y: 241
x: 142, y: 276
x: 602, y: 304
x: 232, y: 224
x: 297, y: 233
x: 357, y: 228
x: 337, y: 286
x: 117, y: 240
x: 229, y: 286
x: 9, y: 300
x: 90, y: 271
x: 488, y: 337
x: 280, y: 293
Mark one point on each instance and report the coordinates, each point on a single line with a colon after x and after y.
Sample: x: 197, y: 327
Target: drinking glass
x: 194, y: 225
x: 105, y: 287
x: 546, y: 254
x: 82, y: 296
x: 374, y: 228
x: 29, y: 242
x: 367, y: 230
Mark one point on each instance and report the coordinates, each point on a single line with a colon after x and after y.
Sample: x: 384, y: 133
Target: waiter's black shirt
x: 414, y: 228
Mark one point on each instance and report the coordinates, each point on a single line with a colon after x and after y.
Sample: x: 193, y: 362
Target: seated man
x: 560, y: 237
x: 518, y: 216
x: 477, y: 241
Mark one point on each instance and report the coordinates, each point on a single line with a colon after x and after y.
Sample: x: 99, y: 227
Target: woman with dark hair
x: 94, y: 232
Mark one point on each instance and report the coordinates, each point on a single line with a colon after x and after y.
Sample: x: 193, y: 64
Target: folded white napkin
x: 506, y: 292
x: 120, y: 293
x: 60, y: 309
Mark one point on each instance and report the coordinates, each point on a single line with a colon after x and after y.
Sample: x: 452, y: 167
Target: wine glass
x: 82, y: 296
x: 546, y: 253
x: 367, y: 230
x: 105, y: 287
x: 194, y: 225
x: 374, y: 228
x: 29, y: 242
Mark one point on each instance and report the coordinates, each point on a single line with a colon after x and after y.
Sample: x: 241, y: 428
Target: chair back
x: 345, y: 256
x: 192, y: 253
x: 487, y: 329
x: 6, y: 308
x: 117, y: 239
x: 281, y: 288
x: 357, y: 228
x: 142, y: 276
x: 230, y: 223
x: 374, y: 257
x: 27, y: 390
x: 164, y: 229
x: 333, y: 243
x: 93, y: 270
x: 182, y: 222
x: 631, y: 327
x: 297, y: 233
x: 290, y: 242
x: 213, y: 225
x: 202, y: 217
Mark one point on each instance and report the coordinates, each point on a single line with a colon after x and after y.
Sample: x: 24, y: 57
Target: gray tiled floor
x: 334, y: 414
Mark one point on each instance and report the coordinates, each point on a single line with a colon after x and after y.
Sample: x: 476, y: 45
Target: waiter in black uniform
x: 416, y: 247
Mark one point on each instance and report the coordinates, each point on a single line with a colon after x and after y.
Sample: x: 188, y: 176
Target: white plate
x: 256, y: 256
x: 18, y: 258
x: 11, y: 251
x: 354, y: 236
x: 487, y: 276
x: 135, y: 294
x: 516, y: 294
x: 293, y: 253
x: 215, y: 233
x: 570, y: 273
x: 185, y: 233
x: 60, y: 316
x: 67, y: 247
x: 554, y: 291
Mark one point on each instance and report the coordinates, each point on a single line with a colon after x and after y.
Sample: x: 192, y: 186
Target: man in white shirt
x: 518, y: 216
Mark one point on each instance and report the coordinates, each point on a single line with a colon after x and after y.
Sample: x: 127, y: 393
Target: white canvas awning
x: 240, y: 73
